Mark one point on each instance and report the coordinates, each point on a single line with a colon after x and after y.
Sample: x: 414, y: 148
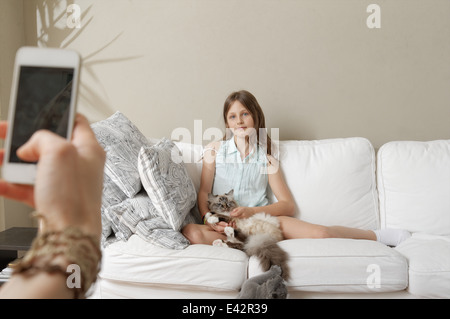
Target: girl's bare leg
x: 201, y: 234
x: 295, y: 228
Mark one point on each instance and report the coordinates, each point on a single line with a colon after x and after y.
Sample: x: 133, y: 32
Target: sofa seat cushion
x: 201, y: 266
x: 341, y: 265
x: 429, y: 265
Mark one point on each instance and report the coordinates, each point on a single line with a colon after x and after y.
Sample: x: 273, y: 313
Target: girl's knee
x: 193, y: 233
x: 294, y: 228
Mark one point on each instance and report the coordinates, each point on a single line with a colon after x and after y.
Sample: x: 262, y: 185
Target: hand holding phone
x: 43, y: 96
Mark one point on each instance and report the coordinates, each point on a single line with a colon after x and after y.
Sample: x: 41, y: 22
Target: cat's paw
x: 212, y: 220
x: 219, y: 243
x: 229, y: 231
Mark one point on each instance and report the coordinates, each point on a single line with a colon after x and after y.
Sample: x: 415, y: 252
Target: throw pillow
x: 122, y: 141
x: 112, y: 195
x: 138, y: 215
x: 166, y: 181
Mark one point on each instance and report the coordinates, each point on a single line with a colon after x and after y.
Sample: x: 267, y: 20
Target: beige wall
x: 316, y: 68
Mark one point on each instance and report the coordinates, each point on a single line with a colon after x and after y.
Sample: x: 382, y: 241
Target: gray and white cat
x: 269, y: 285
x: 257, y: 235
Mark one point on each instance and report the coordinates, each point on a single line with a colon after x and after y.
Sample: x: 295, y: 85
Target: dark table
x: 13, y: 240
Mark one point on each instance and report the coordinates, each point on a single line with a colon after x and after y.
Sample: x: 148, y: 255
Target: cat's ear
x: 211, y: 196
x: 230, y: 193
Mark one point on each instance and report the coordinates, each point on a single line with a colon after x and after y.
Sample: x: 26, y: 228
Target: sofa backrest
x: 414, y: 186
x: 332, y: 181
x: 192, y: 158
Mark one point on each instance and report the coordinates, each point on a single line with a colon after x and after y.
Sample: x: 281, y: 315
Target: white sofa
x: 334, y: 182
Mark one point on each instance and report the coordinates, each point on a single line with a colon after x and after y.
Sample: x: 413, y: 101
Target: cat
x: 257, y: 235
x: 269, y: 285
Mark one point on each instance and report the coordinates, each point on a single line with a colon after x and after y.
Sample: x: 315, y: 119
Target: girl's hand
x: 219, y: 227
x: 242, y: 212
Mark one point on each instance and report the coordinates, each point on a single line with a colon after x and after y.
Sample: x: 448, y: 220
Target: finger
x: 219, y: 229
x: 37, y: 144
x: 235, y: 213
x: 31, y: 150
x: 82, y: 131
x: 84, y: 139
x: 3, y: 129
x: 22, y: 193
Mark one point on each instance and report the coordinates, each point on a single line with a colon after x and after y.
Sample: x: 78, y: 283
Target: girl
x: 243, y: 162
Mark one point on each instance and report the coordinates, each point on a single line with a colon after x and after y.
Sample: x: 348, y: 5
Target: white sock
x: 391, y: 236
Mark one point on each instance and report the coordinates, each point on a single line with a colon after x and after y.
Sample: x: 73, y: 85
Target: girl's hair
x: 249, y: 101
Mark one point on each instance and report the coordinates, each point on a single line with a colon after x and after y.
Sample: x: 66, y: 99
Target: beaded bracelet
x: 74, y: 246
x: 204, y: 218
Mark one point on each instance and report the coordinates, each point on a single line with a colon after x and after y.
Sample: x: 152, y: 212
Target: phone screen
x: 43, y: 102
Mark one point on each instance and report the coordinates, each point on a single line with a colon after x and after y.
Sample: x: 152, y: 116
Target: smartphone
x: 43, y: 96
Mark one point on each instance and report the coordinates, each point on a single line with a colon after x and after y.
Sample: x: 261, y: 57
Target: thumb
x: 36, y: 145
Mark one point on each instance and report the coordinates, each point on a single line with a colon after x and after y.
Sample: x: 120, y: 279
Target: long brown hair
x: 249, y: 101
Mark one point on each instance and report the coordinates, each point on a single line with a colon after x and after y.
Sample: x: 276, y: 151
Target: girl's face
x: 239, y: 120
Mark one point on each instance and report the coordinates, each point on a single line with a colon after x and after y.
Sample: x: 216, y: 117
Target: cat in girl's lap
x: 257, y: 235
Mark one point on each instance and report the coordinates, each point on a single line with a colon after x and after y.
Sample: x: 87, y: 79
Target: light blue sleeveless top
x: 247, y: 177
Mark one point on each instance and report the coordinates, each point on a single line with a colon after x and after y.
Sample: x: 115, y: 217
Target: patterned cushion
x: 166, y: 181
x: 112, y: 195
x: 122, y: 141
x: 138, y: 215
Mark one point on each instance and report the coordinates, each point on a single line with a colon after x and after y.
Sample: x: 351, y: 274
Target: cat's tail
x: 266, y: 249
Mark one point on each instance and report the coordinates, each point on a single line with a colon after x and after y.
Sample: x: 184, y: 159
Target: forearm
x: 41, y: 285
x: 281, y: 208
x: 59, y: 264
x: 202, y: 201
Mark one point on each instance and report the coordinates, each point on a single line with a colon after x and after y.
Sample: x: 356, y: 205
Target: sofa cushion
x: 167, y: 182
x: 122, y: 141
x: 429, y: 265
x: 341, y: 265
x: 138, y: 215
x: 414, y: 186
x: 197, y: 266
x: 332, y: 181
x: 111, y: 195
